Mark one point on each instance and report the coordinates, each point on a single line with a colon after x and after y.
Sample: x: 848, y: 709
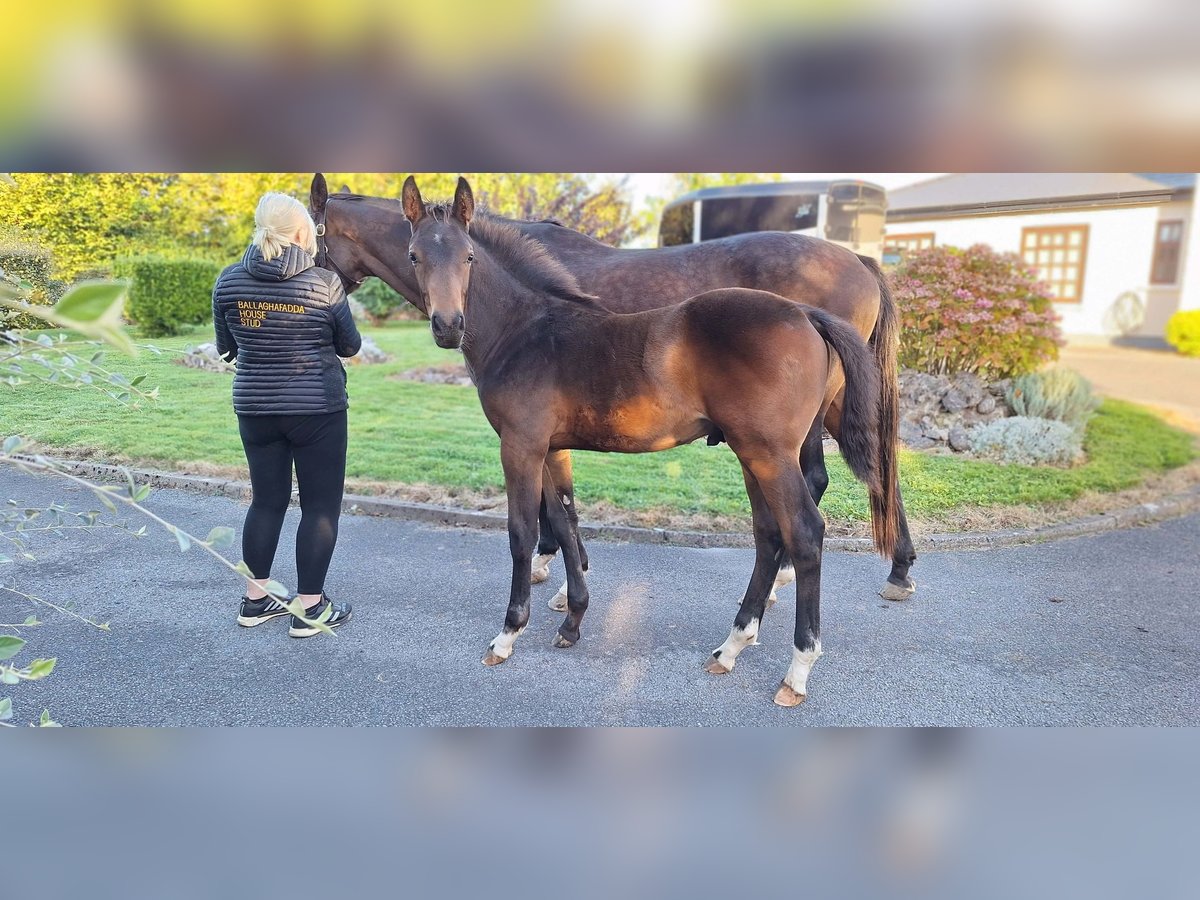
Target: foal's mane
x: 523, y: 257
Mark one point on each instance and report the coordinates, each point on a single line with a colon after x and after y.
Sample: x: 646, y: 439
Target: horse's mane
x: 523, y: 257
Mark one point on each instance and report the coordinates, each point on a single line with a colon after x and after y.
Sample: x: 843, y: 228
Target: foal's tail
x: 885, y: 340
x: 859, y: 438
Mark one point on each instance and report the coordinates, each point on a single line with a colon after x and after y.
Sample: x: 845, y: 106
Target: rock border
x: 1170, y: 507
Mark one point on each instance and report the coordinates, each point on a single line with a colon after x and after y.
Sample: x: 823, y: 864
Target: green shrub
x: 1183, y: 332
x: 973, y: 310
x: 1060, y: 394
x: 167, y: 294
x: 380, y: 301
x: 1028, y: 442
x: 26, y: 262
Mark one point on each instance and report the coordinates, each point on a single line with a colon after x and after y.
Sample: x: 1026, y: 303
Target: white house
x: 1117, y: 249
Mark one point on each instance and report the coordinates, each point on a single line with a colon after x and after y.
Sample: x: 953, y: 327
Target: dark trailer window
x: 726, y: 216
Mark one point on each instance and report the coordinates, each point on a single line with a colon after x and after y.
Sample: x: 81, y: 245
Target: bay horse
x: 367, y: 235
x: 557, y: 371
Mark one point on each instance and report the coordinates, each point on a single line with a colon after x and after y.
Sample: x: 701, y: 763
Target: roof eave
x: 1039, y: 204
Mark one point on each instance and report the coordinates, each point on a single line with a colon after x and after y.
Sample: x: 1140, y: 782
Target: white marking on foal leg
x: 540, y: 570
x: 795, y: 683
x: 558, y: 602
x: 502, y: 647
x: 726, y: 655
x: 785, y: 576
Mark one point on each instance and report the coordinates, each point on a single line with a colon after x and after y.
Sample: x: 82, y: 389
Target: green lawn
x: 409, y: 432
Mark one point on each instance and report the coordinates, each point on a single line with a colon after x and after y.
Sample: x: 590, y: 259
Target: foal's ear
x: 410, y: 197
x: 344, y: 189
x: 464, y: 203
x: 318, y: 194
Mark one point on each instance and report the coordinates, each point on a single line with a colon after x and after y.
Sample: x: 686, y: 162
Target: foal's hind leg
x: 816, y: 476
x: 803, y: 532
x: 768, y: 547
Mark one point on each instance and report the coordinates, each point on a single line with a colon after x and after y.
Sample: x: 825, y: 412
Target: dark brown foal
x: 556, y: 371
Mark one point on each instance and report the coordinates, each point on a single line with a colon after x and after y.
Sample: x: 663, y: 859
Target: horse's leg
x: 816, y: 476
x: 523, y: 481
x: 575, y: 592
x: 559, y: 465
x: 768, y: 548
x: 803, y: 531
x: 899, y: 585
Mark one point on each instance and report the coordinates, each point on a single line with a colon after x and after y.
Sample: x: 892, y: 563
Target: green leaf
x: 11, y: 443
x: 5, y: 709
x: 182, y: 538
x: 220, y: 537
x: 276, y: 588
x: 244, y: 569
x: 137, y: 380
x: 8, y: 677
x: 91, y: 301
x: 45, y: 721
x: 40, y: 668
x: 31, y: 621
x: 141, y: 494
x: 10, y: 646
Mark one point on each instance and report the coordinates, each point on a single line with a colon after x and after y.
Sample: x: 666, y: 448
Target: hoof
x: 491, y: 659
x: 561, y: 642
x: 715, y: 667
x: 785, y: 696
x: 541, y: 568
x: 897, y: 592
x: 558, y: 602
x: 772, y: 599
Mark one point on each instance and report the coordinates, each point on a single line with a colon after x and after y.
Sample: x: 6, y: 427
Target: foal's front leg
x: 523, y: 481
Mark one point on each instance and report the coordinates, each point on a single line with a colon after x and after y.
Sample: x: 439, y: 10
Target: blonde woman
x: 286, y: 322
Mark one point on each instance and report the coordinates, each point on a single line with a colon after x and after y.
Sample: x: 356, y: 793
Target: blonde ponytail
x: 277, y: 220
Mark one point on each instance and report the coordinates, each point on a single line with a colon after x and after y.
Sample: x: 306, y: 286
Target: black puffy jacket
x: 286, y: 322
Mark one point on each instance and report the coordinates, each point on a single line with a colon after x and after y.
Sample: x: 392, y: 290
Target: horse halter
x: 324, y: 260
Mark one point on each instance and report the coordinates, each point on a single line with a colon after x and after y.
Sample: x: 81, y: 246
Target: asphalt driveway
x: 1089, y: 631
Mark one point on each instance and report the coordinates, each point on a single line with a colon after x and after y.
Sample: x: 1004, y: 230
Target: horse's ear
x: 344, y: 189
x: 318, y: 194
x: 464, y: 203
x: 410, y: 197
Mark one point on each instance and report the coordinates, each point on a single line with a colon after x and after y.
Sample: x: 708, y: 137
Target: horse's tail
x: 859, y: 437
x: 885, y: 340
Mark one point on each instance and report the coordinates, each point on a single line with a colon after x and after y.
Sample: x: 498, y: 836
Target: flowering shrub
x: 973, y: 310
x: 1183, y: 332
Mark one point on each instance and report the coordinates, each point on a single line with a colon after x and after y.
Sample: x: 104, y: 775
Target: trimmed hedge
x: 167, y: 294
x: 1183, y: 332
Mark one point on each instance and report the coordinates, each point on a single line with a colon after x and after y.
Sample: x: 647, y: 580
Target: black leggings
x: 317, y: 444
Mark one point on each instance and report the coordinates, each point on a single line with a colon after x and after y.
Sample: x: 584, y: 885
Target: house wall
x: 1117, y: 298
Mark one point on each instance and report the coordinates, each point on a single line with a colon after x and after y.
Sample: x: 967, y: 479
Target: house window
x: 1057, y: 256
x: 908, y: 243
x: 1165, y: 268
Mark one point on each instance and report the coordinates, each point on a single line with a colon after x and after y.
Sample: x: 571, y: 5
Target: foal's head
x: 441, y: 253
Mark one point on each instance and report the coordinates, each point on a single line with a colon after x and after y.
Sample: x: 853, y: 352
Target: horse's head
x: 338, y: 248
x: 441, y: 253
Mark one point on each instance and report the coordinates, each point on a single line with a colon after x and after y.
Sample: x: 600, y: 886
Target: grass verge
x: 433, y: 441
